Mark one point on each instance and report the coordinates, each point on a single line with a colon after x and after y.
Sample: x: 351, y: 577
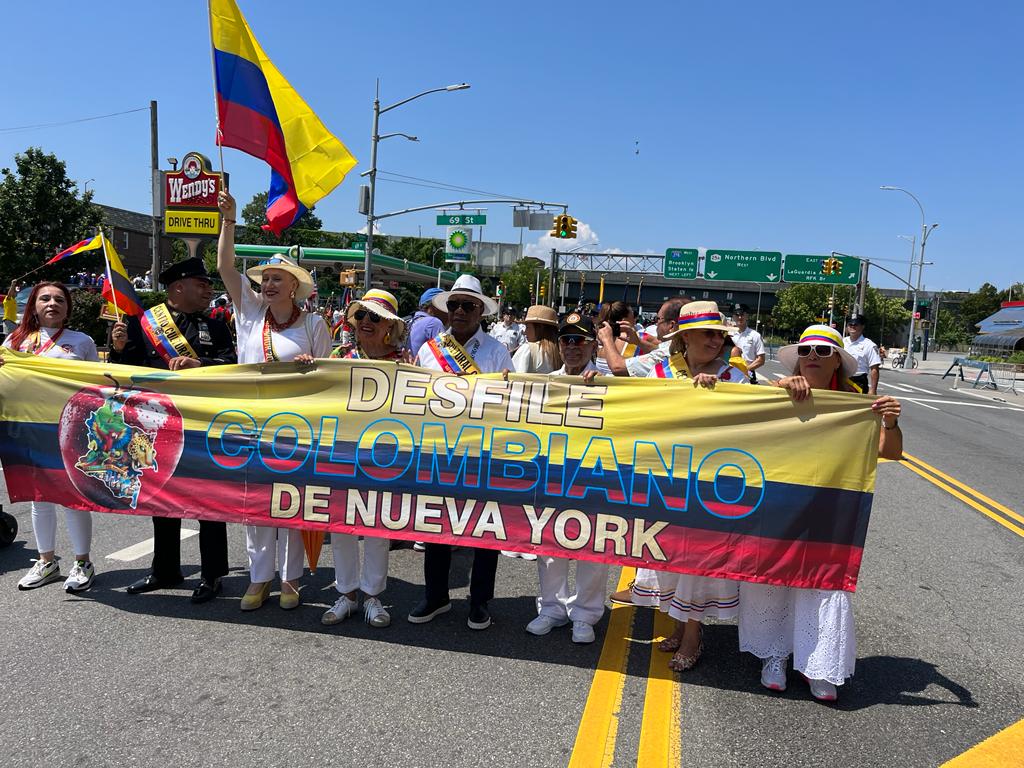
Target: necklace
x: 277, y: 327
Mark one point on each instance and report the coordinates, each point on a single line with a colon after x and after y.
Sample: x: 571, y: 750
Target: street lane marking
x: 894, y: 386
x: 599, y: 726
x: 971, y: 502
x: 660, y: 737
x: 918, y: 402
x: 143, y: 548
x: 977, y: 494
x: 922, y: 389
x: 1006, y: 748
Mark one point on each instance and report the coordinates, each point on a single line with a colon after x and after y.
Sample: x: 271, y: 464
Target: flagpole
x: 110, y: 279
x: 216, y: 103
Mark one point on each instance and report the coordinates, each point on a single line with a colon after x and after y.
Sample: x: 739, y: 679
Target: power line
x: 445, y: 185
x: 70, y: 122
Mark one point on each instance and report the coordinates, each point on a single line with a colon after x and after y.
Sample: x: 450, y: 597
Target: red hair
x: 29, y: 321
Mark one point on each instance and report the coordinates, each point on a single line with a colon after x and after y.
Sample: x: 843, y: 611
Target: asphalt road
x: 107, y: 678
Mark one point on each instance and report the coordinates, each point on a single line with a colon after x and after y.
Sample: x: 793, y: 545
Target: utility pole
x: 154, y: 162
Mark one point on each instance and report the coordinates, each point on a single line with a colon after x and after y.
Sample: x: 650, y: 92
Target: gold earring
x: 293, y: 295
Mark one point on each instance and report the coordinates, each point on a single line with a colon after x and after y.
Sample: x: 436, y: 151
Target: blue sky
x: 760, y: 125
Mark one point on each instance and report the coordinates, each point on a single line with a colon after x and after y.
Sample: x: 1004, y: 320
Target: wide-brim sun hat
x: 285, y: 264
x: 813, y: 336
x: 698, y: 315
x: 468, y: 286
x: 542, y: 315
x: 381, y: 303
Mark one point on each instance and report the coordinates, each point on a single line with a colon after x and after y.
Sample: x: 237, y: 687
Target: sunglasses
x: 574, y: 340
x: 362, y: 314
x: 465, y: 306
x: 821, y: 350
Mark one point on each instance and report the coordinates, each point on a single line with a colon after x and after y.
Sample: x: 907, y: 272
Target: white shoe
x: 419, y: 546
x: 773, y: 673
x: 81, y: 577
x: 509, y: 553
x: 343, y: 608
x: 527, y: 555
x: 374, y: 613
x: 40, y: 574
x: 823, y: 690
x: 582, y: 633
x: 544, y: 624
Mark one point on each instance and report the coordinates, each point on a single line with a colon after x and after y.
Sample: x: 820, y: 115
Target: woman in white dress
x: 815, y: 626
x: 42, y: 332
x: 271, y: 327
x: 696, y: 353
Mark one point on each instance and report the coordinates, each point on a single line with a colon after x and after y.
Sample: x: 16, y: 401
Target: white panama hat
x: 469, y: 286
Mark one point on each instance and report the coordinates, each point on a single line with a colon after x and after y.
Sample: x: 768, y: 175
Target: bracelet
x: 893, y: 426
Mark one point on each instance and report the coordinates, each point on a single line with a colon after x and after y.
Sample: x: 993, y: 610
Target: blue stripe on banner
x: 844, y: 522
x: 242, y: 82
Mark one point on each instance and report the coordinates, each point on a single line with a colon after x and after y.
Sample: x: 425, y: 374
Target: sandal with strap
x: 682, y: 663
x: 670, y: 644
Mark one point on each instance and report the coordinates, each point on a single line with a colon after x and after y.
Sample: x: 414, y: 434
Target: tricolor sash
x: 450, y: 355
x: 165, y: 336
x: 631, y: 350
x: 42, y: 349
x: 673, y: 367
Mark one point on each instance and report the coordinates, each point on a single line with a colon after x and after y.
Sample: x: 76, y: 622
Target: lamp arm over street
x: 463, y: 203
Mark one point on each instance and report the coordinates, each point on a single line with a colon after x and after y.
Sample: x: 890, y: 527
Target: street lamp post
x: 925, y: 231
x: 913, y: 253
x: 372, y: 173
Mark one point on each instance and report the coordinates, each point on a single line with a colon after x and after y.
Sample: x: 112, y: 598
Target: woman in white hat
x: 696, y: 352
x: 271, y: 327
x: 540, y: 353
x: 379, y: 333
x: 814, y: 625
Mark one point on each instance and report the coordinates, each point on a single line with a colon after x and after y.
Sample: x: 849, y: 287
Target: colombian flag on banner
x: 118, y: 289
x: 261, y: 114
x: 85, y: 245
x: 738, y: 482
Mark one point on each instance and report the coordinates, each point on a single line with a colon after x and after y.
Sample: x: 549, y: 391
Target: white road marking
x: 922, y: 389
x: 144, y: 548
x: 918, y: 402
x: 894, y: 386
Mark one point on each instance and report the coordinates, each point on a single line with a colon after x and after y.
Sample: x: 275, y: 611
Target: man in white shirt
x: 748, y: 341
x: 865, y: 351
x: 508, y: 331
x: 665, y: 323
x: 465, y: 304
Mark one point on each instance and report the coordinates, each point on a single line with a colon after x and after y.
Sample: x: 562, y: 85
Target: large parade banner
x: 739, y: 482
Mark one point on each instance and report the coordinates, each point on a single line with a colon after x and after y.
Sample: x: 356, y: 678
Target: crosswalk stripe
x: 143, y: 548
x: 894, y: 386
x: 922, y: 389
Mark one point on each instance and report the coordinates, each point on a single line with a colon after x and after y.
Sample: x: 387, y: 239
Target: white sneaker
x: 823, y: 690
x: 544, y: 624
x: 419, y: 546
x: 40, y: 574
x: 374, y: 613
x: 773, y: 673
x: 527, y: 555
x: 582, y: 633
x: 81, y: 577
x: 509, y: 553
x: 341, y: 610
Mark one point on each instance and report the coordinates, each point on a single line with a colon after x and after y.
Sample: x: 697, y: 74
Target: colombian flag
x: 261, y: 114
x: 85, y: 245
x: 118, y: 290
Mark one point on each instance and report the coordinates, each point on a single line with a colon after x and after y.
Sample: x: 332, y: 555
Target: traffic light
x: 500, y: 290
x: 831, y: 266
x: 556, y: 227
x: 572, y: 228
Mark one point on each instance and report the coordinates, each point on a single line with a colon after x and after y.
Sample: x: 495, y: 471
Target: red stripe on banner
x: 431, y: 517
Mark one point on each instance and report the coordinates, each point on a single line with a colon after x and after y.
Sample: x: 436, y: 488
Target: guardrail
x: 983, y: 368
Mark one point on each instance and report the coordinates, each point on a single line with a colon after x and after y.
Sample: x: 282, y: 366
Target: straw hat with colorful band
x: 381, y: 303
x: 541, y: 314
x: 816, y: 335
x: 282, y: 262
x: 699, y: 315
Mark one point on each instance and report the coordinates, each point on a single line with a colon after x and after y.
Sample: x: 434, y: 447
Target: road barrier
x: 983, y: 368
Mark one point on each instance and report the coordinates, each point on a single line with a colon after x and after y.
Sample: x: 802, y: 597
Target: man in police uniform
x: 189, y: 340
x: 749, y: 341
x: 865, y: 351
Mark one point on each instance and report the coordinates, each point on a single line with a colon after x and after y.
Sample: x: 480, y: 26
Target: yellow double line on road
x: 599, y: 726
x: 992, y: 509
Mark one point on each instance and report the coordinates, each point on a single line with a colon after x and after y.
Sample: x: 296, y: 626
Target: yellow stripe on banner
x: 977, y: 494
x: 660, y: 740
x: 1004, y: 750
x: 599, y: 726
x: 965, y: 499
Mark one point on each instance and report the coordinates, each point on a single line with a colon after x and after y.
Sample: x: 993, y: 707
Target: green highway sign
x: 680, y: 263
x: 743, y: 266
x: 815, y: 269
x: 462, y: 220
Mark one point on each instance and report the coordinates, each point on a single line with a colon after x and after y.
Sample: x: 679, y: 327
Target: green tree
x: 40, y: 213
x: 306, y: 231
x: 979, y: 305
x: 520, y: 281
x: 803, y: 304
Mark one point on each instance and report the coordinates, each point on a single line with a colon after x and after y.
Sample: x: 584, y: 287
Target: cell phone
x: 616, y: 329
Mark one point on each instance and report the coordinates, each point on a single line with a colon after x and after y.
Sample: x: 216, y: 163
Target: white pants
x: 372, y: 578
x: 645, y: 588
x: 815, y: 625
x: 264, y: 544
x: 44, y: 525
x: 586, y: 603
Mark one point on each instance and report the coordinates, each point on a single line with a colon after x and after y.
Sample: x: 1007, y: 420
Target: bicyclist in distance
x: 865, y: 351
